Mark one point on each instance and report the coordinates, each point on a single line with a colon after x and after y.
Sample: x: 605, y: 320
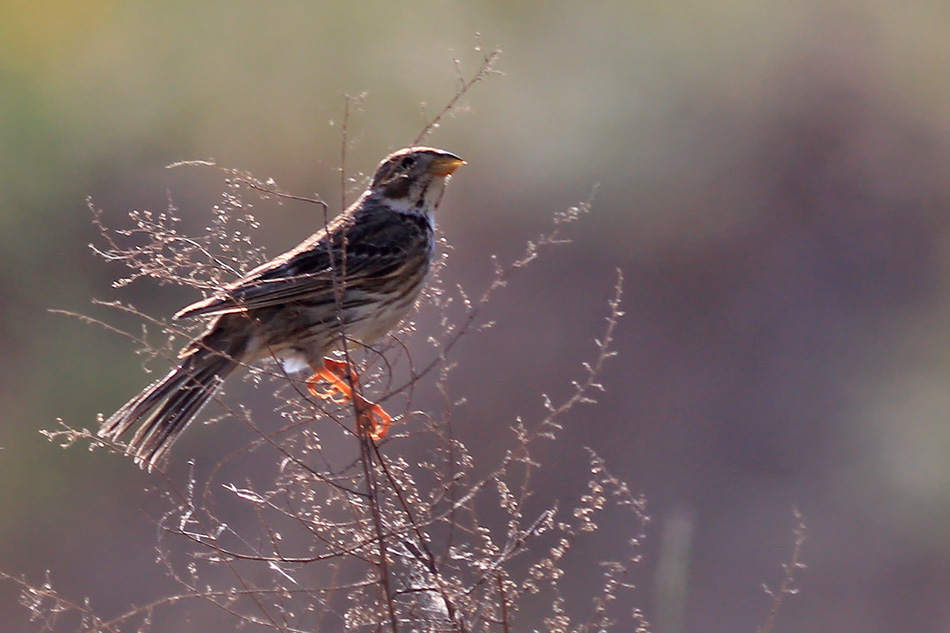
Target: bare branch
x: 787, y: 586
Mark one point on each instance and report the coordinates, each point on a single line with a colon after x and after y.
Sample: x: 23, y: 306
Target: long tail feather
x: 168, y: 405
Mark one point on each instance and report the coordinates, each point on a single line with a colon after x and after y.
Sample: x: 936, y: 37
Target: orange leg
x: 370, y: 418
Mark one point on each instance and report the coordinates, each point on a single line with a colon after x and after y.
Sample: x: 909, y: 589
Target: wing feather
x: 376, y: 248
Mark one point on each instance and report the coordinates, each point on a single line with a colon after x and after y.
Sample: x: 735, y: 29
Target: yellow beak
x: 445, y: 165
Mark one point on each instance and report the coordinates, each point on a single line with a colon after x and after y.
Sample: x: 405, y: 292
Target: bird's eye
x: 407, y: 162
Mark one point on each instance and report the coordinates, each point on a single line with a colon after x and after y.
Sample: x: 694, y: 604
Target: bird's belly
x: 299, y: 338
x: 367, y: 324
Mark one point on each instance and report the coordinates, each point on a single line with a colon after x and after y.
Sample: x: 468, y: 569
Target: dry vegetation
x: 311, y: 527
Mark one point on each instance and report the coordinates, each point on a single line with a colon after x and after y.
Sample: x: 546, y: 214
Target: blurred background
x: 772, y: 179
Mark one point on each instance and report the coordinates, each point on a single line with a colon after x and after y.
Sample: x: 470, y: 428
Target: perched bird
x: 353, y: 281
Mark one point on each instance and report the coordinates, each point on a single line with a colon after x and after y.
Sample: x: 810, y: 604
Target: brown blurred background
x: 773, y: 180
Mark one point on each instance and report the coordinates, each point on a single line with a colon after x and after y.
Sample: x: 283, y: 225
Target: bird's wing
x: 375, y: 248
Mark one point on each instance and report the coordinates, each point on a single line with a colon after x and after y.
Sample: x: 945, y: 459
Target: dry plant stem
x: 549, y: 424
x: 504, y: 602
x: 219, y: 598
x: 500, y: 280
x: 344, y: 147
x: 787, y: 586
x: 253, y: 593
x: 33, y: 597
x: 337, y: 276
x: 115, y: 253
x: 349, y: 102
x: 94, y: 623
x: 372, y: 490
x: 546, y: 428
x: 251, y: 182
x: 486, y: 68
x: 421, y: 547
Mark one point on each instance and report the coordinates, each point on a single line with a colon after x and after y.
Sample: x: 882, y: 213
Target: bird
x: 349, y: 283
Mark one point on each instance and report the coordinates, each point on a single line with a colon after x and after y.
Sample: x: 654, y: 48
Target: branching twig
x: 486, y: 68
x: 789, y: 569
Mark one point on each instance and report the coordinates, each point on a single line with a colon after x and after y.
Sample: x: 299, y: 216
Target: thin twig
x: 486, y: 68
x: 789, y: 569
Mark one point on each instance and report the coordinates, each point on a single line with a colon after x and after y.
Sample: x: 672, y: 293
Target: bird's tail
x: 168, y: 405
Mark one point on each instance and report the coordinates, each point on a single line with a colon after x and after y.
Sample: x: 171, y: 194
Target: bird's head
x: 414, y: 178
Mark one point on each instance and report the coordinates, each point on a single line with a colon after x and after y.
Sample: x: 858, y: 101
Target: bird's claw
x: 371, y: 419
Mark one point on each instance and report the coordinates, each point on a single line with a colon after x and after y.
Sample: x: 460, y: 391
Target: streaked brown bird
x: 353, y: 281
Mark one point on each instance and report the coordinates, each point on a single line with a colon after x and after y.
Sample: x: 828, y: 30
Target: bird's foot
x: 371, y: 419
